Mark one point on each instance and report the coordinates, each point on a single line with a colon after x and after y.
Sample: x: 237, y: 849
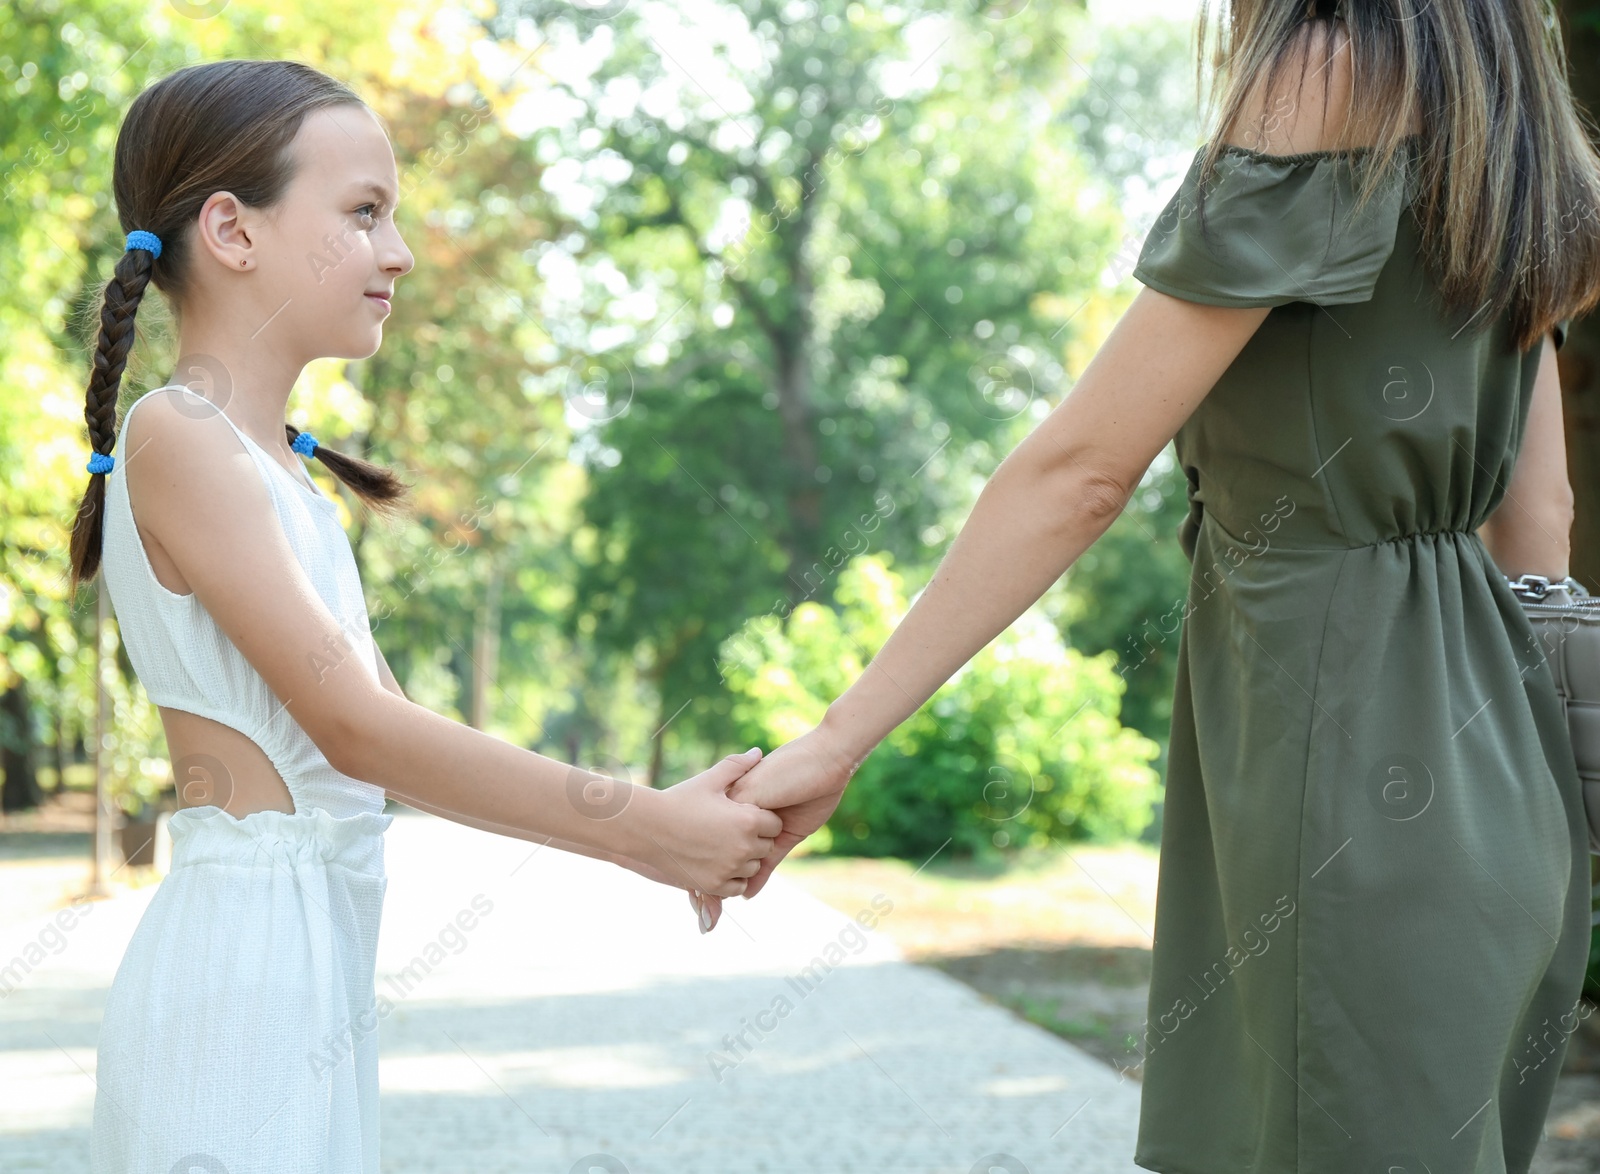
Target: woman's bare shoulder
x: 1304, y: 105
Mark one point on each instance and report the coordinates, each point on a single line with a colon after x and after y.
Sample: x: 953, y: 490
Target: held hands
x: 697, y: 837
x: 800, y: 783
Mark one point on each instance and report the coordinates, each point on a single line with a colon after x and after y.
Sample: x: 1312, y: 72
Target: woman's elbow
x: 1082, y: 494
x: 1099, y: 497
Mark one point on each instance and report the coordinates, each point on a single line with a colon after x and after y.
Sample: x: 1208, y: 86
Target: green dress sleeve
x: 1277, y: 229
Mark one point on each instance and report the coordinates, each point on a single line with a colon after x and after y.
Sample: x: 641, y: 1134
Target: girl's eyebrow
x: 373, y: 187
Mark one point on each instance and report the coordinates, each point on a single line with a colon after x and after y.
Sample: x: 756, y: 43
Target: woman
x: 1372, y: 911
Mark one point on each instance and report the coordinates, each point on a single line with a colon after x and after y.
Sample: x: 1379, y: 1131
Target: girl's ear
x: 223, y: 230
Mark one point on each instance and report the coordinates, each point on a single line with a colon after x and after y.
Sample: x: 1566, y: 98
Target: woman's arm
x: 1046, y: 504
x: 1530, y: 532
x: 194, y: 486
x: 1062, y: 487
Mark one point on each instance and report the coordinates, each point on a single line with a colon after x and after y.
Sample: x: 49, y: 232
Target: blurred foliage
x: 1136, y: 118
x: 695, y: 320
x: 1021, y: 748
x: 861, y: 270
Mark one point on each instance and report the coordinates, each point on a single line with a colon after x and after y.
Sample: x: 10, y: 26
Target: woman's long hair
x: 1508, y: 179
x: 219, y: 126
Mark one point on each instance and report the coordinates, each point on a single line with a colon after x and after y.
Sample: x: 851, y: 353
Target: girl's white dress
x: 240, y: 1032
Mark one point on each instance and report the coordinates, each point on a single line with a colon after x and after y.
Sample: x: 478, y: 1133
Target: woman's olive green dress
x: 1373, y: 911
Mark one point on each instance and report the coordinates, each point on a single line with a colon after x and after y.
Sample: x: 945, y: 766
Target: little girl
x: 259, y: 197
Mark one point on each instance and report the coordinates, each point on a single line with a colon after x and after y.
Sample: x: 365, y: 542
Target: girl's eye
x: 368, y: 215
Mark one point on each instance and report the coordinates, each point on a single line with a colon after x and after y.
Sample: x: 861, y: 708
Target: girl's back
x: 187, y: 663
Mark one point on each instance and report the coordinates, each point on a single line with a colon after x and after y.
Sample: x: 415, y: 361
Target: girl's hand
x: 651, y: 873
x: 696, y: 835
x: 706, y: 908
x: 804, y: 780
x: 810, y: 767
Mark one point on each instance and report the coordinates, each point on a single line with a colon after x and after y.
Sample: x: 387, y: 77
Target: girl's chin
x: 364, y: 349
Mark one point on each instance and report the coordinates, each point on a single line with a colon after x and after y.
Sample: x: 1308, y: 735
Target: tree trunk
x: 486, y: 647
x: 60, y: 751
x: 793, y: 357
x: 800, y: 456
x: 21, y: 790
x: 657, y: 748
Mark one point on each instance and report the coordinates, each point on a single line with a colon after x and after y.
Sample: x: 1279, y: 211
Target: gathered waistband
x: 1266, y: 540
x: 1452, y: 531
x: 208, y: 834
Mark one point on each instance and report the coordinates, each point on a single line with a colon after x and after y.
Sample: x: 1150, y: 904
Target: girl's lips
x: 384, y: 302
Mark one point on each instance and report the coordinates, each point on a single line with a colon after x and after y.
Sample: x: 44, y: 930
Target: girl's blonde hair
x: 218, y: 126
x: 1509, y: 179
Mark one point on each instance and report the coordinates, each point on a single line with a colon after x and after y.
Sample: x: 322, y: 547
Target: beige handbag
x: 1566, y: 623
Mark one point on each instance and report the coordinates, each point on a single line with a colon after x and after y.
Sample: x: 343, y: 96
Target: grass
x: 1085, y: 895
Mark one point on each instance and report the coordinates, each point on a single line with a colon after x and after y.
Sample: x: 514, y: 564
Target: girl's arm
x: 195, y: 487
x: 386, y: 674
x: 1530, y: 531
x: 387, y: 678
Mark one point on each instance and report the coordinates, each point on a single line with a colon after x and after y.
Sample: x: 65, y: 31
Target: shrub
x: 1022, y: 747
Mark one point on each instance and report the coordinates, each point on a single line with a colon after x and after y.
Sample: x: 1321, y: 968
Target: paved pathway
x: 581, y: 1023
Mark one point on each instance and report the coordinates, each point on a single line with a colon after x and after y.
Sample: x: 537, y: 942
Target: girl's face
x: 331, y: 245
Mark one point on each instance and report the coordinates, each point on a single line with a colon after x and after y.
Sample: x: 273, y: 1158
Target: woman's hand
x: 694, y: 836
x: 802, y: 782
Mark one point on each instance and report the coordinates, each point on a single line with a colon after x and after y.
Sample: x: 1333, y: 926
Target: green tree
x: 860, y: 291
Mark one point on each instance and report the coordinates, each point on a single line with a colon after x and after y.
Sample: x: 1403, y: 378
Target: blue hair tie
x: 304, y: 443
x: 140, y: 239
x: 101, y: 463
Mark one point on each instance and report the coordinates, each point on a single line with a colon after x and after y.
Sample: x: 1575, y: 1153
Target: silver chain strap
x: 1536, y: 587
